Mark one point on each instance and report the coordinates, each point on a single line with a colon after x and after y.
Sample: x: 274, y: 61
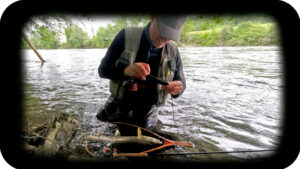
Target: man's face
x: 157, y: 40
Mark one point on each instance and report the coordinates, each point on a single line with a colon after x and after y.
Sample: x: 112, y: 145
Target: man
x: 133, y: 55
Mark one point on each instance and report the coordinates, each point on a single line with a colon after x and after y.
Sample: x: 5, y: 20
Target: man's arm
x: 107, y: 68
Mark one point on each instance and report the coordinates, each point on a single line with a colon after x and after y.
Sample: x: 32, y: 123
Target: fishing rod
x: 156, y: 80
x: 212, y: 152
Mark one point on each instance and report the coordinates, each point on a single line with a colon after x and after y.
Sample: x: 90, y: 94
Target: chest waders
x: 166, y: 70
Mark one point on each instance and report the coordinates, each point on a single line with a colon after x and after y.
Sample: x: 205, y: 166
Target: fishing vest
x: 166, y: 70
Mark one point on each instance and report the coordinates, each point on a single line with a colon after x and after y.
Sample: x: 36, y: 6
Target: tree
x: 45, y: 39
x: 105, y: 36
x: 34, y: 24
x: 76, y: 37
x: 54, y: 22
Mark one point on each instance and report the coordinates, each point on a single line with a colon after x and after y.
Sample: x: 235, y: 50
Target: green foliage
x: 54, y: 22
x: 187, y: 27
x: 76, y: 37
x: 248, y: 33
x: 244, y: 34
x: 198, y: 30
x: 45, y: 39
x: 227, y: 30
x: 105, y: 36
x: 206, y: 38
x: 225, y: 33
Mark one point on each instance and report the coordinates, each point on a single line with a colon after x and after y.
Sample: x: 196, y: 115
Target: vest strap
x: 132, y: 42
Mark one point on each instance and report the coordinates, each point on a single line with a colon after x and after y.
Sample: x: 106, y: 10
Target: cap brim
x: 167, y: 31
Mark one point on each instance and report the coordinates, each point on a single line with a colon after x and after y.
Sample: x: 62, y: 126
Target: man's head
x: 165, y: 28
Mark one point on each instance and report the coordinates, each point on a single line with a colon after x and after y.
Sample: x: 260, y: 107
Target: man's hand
x: 137, y: 70
x: 174, y: 87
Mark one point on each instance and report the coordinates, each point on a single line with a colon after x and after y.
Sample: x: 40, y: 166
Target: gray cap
x: 170, y: 26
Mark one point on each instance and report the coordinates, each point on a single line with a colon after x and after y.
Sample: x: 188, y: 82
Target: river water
x: 232, y: 100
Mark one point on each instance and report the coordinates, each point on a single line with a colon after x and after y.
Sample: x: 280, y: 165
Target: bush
x: 250, y: 34
x: 225, y: 35
x: 244, y: 34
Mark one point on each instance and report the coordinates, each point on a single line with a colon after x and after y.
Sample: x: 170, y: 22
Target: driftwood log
x: 47, y: 141
x: 33, y: 48
x: 64, y: 128
x: 141, y: 140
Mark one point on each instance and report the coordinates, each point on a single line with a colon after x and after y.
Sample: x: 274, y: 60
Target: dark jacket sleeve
x: 179, y: 74
x: 107, y: 68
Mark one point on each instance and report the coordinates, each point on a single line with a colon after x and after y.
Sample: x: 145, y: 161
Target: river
x: 232, y: 100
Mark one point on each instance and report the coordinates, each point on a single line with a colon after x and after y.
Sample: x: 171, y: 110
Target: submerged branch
x: 33, y: 48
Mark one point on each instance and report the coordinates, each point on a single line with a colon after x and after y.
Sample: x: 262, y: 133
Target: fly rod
x: 213, y: 152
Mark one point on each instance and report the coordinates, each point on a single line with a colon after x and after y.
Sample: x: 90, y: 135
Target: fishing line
x: 175, y: 120
x: 174, y: 115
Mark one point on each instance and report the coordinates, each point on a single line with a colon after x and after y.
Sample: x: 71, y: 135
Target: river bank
x: 244, y: 34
